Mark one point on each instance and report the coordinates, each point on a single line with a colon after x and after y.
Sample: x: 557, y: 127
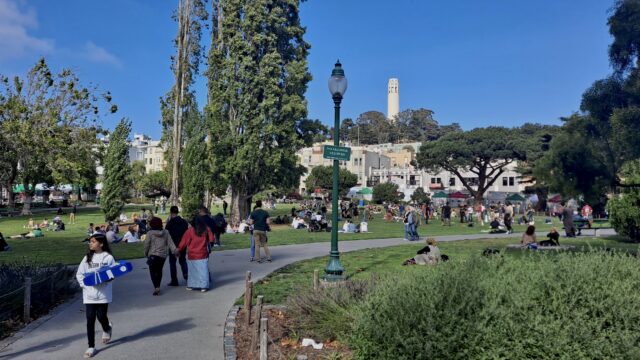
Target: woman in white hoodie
x: 96, y: 298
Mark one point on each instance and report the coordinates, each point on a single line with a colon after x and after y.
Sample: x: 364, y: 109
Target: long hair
x: 200, y: 226
x: 105, y: 245
x: 531, y: 230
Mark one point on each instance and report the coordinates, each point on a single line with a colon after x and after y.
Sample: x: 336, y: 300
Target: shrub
x: 624, y: 213
x: 573, y: 306
x: 326, y: 313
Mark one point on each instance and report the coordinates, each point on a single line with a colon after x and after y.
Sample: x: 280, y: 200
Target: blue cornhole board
x: 107, y: 273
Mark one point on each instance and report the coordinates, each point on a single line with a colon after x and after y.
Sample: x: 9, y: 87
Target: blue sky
x: 478, y: 63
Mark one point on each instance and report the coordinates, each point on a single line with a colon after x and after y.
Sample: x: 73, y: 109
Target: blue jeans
x: 407, y: 232
x: 253, y: 246
x: 413, y: 229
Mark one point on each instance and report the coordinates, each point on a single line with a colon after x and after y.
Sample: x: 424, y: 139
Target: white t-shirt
x: 243, y: 227
x: 130, y: 238
x: 98, y: 294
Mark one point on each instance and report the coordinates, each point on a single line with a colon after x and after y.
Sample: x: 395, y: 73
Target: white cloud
x: 15, y: 41
x: 98, y: 54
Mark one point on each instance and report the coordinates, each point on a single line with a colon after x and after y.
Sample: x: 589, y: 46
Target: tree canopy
x: 385, y: 192
x: 485, y: 152
x: 116, y: 172
x: 256, y: 111
x: 321, y: 177
x: 49, y: 126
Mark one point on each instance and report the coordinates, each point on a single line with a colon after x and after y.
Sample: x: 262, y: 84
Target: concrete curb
x: 229, y: 329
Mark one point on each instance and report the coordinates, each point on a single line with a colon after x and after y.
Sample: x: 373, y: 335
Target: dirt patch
x: 284, y: 343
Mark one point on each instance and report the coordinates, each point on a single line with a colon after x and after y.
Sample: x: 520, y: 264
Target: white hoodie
x: 99, y: 294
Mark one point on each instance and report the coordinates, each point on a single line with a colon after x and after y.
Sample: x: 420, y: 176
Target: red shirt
x: 196, y: 246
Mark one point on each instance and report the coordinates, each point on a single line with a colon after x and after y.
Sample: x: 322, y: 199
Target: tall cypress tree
x: 256, y: 107
x: 194, y: 169
x: 116, y: 172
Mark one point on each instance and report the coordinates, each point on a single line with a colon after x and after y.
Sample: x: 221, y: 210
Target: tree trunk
x: 28, y: 196
x: 240, y: 206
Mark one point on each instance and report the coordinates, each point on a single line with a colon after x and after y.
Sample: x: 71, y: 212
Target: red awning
x: 457, y: 195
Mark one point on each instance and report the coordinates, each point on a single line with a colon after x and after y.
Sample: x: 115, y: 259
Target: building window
x: 412, y: 180
x: 436, y: 180
x: 511, y: 181
x: 452, y: 181
x: 504, y: 181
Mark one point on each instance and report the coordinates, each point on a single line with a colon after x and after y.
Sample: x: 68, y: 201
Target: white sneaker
x: 106, y: 335
x: 89, y: 353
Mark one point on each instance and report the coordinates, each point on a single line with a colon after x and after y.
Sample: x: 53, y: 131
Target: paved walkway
x: 178, y: 324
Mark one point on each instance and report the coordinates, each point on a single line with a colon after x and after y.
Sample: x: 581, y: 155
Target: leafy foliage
x: 322, y: 177
x: 385, y: 192
x: 194, y: 170
x: 256, y: 111
x: 624, y: 209
x: 116, y: 172
x: 420, y: 196
x: 485, y: 152
x: 505, y: 308
x: 49, y: 126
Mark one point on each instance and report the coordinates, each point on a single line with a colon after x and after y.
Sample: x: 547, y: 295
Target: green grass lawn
x: 360, y: 264
x: 67, y: 246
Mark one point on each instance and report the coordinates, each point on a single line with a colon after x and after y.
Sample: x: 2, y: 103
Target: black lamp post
x: 337, y: 87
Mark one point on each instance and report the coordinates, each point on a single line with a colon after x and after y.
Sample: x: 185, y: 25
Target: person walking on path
x: 224, y: 207
x: 177, y: 226
x: 156, y: 245
x: 219, y: 228
x: 72, y: 215
x: 197, y: 240
x: 260, y: 220
x: 96, y: 299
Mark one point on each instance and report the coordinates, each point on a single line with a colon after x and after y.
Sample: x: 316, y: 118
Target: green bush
x: 569, y: 306
x: 624, y: 213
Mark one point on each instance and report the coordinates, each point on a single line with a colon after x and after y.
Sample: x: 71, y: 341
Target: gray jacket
x: 157, y: 243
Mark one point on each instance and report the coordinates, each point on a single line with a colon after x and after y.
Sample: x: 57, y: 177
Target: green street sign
x: 336, y: 152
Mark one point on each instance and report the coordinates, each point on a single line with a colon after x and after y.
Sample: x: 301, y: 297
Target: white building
x: 363, y: 162
x: 151, y: 152
x: 393, y: 98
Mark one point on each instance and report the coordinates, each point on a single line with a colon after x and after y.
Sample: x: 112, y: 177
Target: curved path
x: 178, y: 324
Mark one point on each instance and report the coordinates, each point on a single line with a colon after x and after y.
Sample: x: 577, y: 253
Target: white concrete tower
x: 393, y: 99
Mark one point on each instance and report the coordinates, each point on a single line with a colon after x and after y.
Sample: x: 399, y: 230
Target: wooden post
x: 257, y: 316
x: 248, y: 295
x: 26, y: 315
x: 263, y: 338
x: 316, y: 281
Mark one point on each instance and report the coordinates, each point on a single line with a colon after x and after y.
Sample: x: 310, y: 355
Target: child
x: 96, y: 298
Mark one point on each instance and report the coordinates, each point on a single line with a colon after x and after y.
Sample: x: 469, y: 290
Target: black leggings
x: 93, y: 311
x: 156, y: 263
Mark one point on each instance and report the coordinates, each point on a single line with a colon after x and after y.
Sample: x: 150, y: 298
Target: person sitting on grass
x: 553, y: 238
x: 243, y: 227
x: 30, y: 224
x: 131, y: 236
x: 35, y: 233
x: 90, y: 229
x: 529, y: 237
x: 496, y: 228
x: 428, y: 255
x: 44, y: 224
x: 349, y: 227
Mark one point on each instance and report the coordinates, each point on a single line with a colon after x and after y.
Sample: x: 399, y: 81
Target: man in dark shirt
x: 260, y: 221
x: 177, y: 226
x: 446, y: 214
x: 204, y: 213
x: 224, y: 207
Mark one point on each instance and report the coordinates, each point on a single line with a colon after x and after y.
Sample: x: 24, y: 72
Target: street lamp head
x: 337, y: 81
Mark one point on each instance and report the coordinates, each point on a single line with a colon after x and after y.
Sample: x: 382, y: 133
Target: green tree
x: 50, y: 125
x: 116, y: 172
x: 419, y: 196
x: 624, y: 208
x: 180, y: 100
x: 257, y: 77
x: 321, y: 177
x: 156, y: 182
x: 194, y: 170
x: 386, y: 192
x: 485, y: 152
x: 136, y: 177
x: 374, y: 128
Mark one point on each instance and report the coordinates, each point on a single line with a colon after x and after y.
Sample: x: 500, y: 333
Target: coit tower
x: 393, y: 99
